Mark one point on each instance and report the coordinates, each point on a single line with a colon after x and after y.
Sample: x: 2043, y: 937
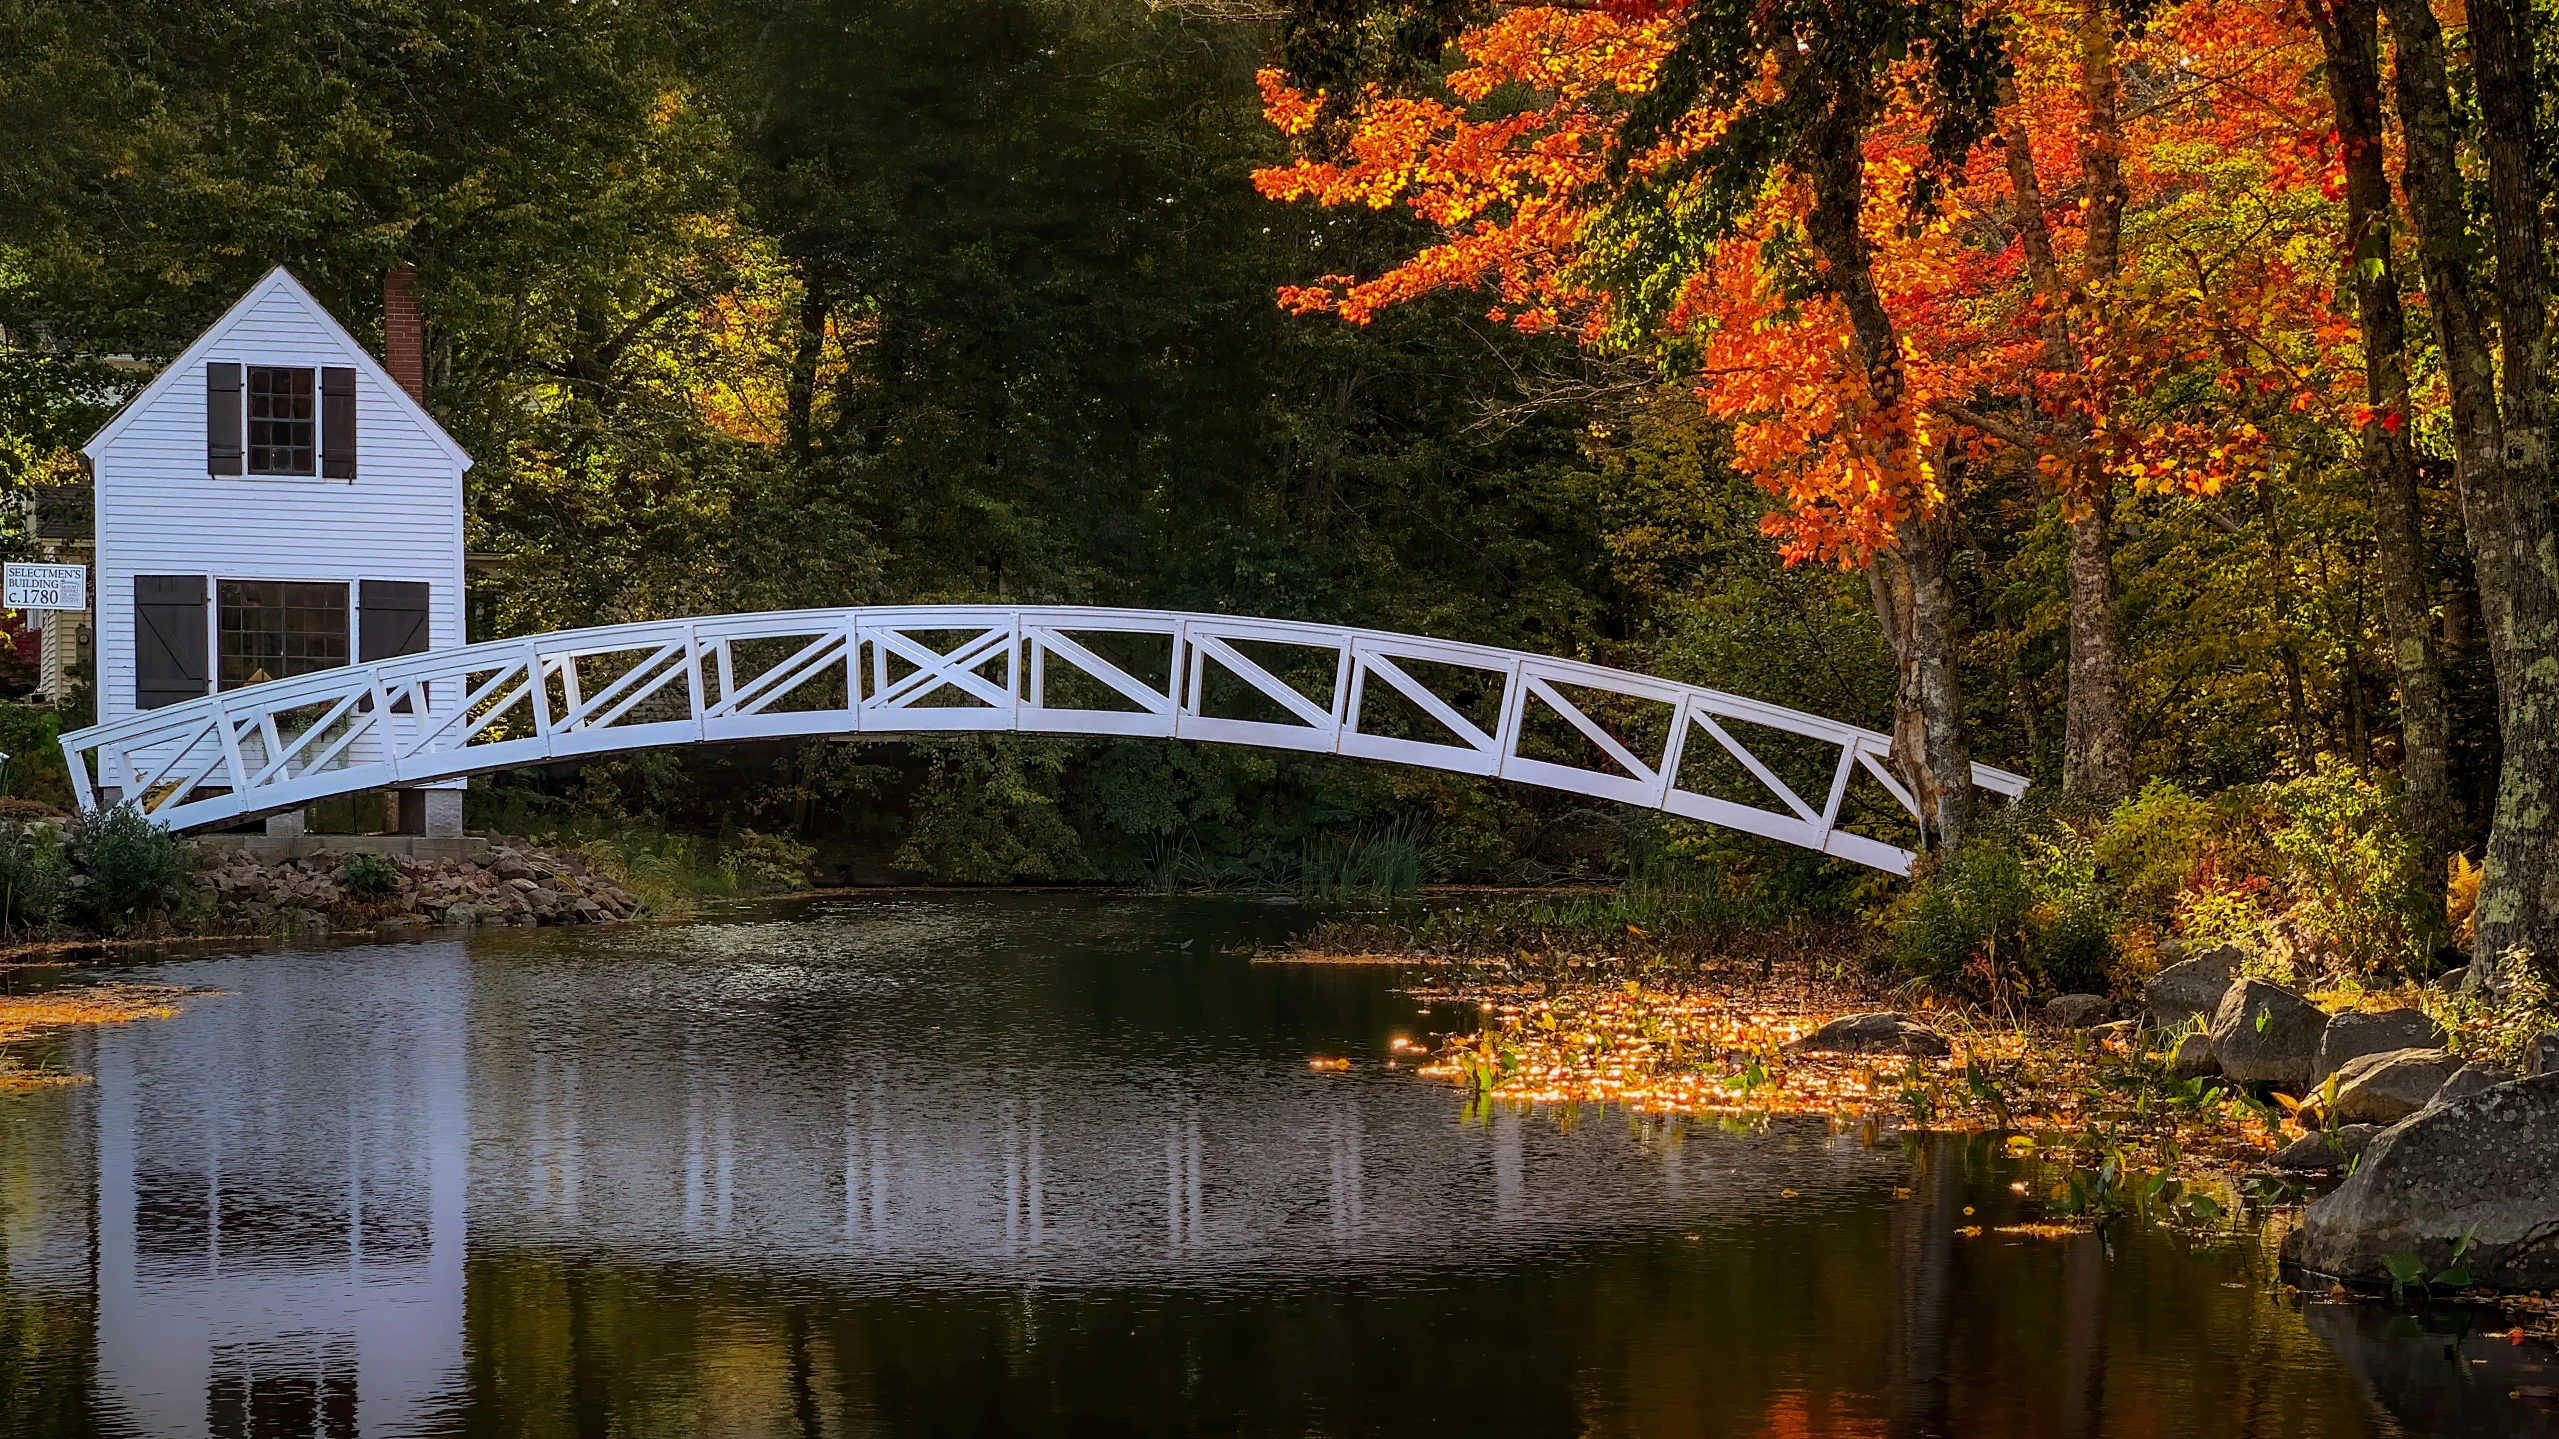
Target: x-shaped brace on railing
x: 934, y: 669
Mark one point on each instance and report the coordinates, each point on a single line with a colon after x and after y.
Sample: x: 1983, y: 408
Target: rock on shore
x: 2190, y: 989
x: 1883, y: 1032
x: 2263, y: 1034
x: 513, y: 886
x: 2388, y: 1087
x: 2486, y: 1165
x: 2353, y: 1035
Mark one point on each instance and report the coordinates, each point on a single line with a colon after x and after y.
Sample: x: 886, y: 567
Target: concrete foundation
x: 287, y: 825
x: 273, y: 849
x: 435, y: 812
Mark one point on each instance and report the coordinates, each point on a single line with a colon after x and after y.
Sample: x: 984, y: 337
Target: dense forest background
x: 756, y: 305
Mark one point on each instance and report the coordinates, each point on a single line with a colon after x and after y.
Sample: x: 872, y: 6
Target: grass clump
x: 671, y: 874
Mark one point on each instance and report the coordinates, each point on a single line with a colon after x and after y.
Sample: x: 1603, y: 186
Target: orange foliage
x: 2222, y: 325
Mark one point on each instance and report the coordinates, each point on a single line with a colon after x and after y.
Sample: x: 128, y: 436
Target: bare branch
x: 2000, y: 430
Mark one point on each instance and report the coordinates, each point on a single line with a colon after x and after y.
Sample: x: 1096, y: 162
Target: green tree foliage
x: 757, y: 303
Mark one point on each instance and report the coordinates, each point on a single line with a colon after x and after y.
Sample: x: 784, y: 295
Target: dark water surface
x: 1045, y: 1164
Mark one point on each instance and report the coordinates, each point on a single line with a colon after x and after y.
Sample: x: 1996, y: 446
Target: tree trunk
x: 1930, y: 689
x: 2096, y: 752
x: 1927, y: 694
x: 807, y: 352
x: 2348, y: 33
x: 2505, y: 478
x: 2096, y: 749
x: 2519, y: 896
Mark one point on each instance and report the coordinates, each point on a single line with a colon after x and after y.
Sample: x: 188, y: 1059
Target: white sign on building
x: 46, y: 587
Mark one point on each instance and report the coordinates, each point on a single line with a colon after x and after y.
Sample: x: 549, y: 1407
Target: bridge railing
x: 1471, y: 709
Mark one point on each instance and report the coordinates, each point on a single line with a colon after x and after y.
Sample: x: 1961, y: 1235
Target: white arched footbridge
x: 916, y: 670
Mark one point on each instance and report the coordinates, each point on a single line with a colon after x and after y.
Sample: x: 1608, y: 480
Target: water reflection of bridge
x: 282, y: 1216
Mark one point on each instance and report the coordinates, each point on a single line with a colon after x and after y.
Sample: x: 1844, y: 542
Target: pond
x: 1049, y: 1164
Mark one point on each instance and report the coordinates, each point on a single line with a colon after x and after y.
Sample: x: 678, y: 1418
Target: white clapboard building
x: 275, y: 502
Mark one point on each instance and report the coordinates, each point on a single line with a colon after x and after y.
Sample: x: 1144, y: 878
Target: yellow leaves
x: 25, y: 1016
x: 1290, y: 112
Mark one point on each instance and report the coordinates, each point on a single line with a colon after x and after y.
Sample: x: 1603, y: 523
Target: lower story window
x: 274, y: 629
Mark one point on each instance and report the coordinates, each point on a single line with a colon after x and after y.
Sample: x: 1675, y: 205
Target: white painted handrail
x: 936, y: 669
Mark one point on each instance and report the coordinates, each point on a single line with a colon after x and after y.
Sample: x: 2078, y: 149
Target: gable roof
x: 277, y: 281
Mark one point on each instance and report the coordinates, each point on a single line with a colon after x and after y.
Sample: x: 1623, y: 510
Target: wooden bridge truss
x: 1585, y: 729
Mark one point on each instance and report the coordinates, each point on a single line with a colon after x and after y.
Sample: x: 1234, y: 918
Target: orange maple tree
x: 2219, y: 317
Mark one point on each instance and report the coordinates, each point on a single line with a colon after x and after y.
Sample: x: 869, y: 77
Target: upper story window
x: 279, y: 420
x: 284, y: 427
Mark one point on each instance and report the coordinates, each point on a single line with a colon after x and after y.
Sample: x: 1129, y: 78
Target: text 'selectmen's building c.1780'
x: 275, y: 502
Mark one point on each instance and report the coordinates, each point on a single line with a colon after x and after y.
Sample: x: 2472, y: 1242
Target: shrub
x: 772, y: 861
x: 35, y: 877
x: 2071, y: 941
x: 2022, y: 908
x: 2217, y: 910
x: 1966, y: 925
x: 2497, y: 1020
x: 2461, y: 899
x: 2151, y: 845
x: 368, y: 873
x: 131, y: 866
x: 2351, y: 871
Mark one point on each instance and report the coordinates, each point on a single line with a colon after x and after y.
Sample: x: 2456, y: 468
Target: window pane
x: 282, y: 434
x: 272, y: 630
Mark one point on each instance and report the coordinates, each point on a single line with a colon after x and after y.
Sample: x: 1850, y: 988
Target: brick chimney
x: 403, y: 338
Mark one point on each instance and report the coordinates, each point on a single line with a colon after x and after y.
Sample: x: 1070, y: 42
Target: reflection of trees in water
x: 696, y: 1216
x: 1922, y: 1250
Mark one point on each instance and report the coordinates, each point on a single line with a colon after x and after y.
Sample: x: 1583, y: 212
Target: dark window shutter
x: 168, y: 638
x: 337, y: 424
x: 222, y: 418
x: 393, y: 620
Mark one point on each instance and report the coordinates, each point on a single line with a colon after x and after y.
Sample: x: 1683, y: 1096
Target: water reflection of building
x: 280, y: 1205
x: 282, y: 1171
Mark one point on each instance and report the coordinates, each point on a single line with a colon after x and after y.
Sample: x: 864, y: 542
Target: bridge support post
x: 436, y: 812
x: 287, y: 825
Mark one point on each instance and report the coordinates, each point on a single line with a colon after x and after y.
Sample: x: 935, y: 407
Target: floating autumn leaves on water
x: 24, y: 1017
x: 1720, y: 1047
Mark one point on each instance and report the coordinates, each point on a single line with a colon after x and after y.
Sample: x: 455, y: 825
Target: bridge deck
x: 1561, y: 724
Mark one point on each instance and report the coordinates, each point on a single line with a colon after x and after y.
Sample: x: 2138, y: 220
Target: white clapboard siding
x: 159, y: 513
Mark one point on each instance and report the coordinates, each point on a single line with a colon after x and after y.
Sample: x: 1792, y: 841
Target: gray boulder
x: 2333, y: 1150
x: 2467, y: 1081
x: 2541, y: 1054
x: 2486, y: 1166
x: 2386, y: 1088
x: 2078, y: 1011
x: 2190, y: 988
x: 2267, y: 1035
x: 2353, y: 1035
x: 1883, y: 1032
x: 2193, y: 1058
